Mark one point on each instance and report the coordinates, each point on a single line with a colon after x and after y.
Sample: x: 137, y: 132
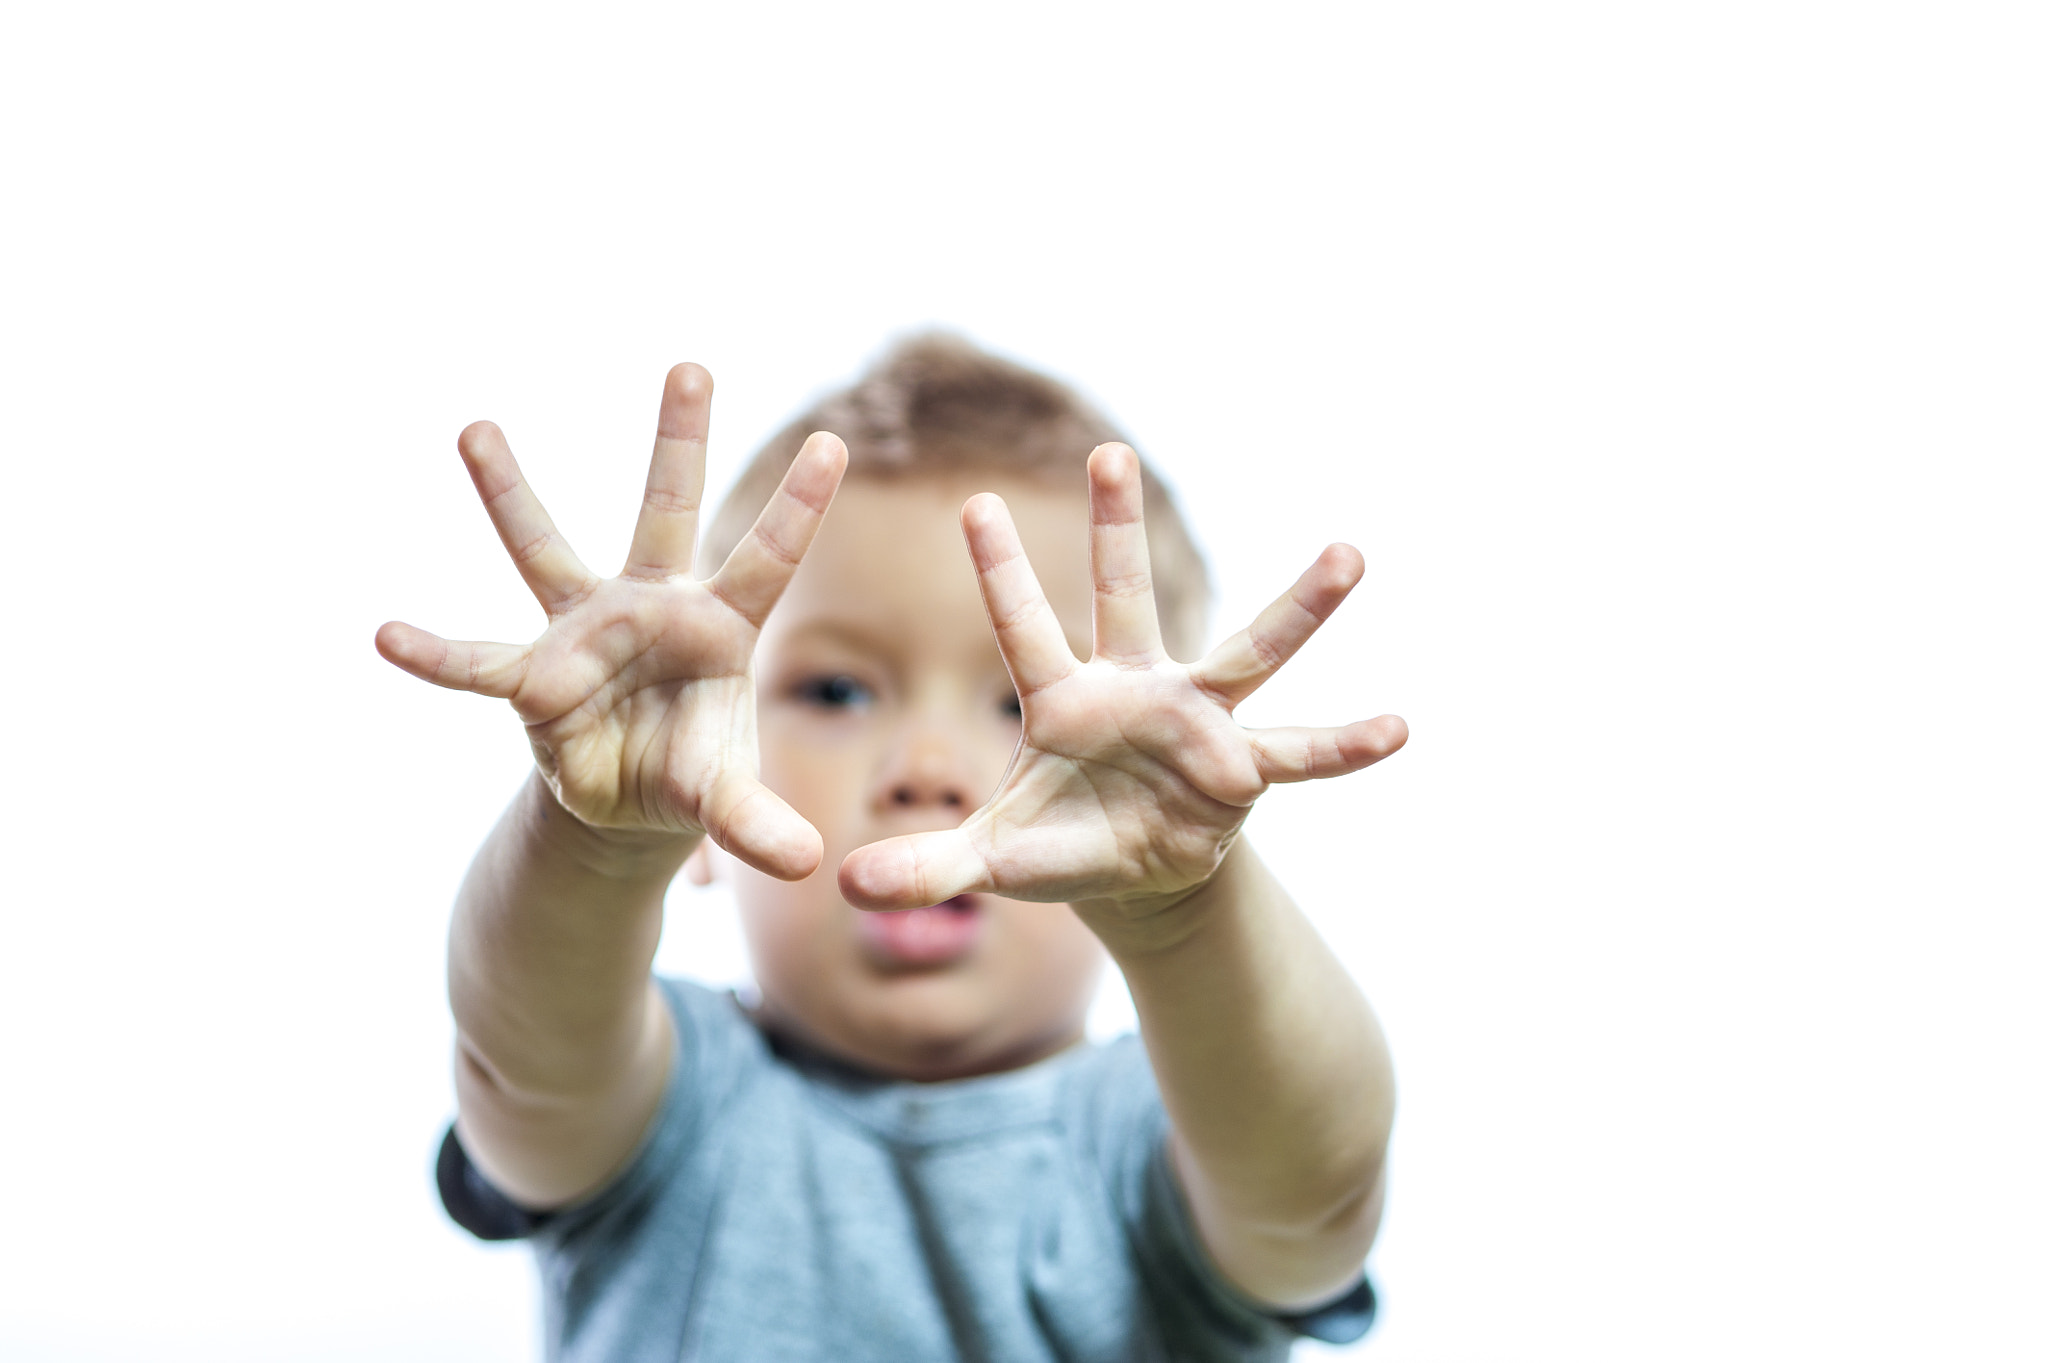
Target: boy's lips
x: 935, y: 936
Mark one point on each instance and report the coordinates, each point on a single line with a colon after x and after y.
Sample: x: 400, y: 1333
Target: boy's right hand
x: 638, y: 697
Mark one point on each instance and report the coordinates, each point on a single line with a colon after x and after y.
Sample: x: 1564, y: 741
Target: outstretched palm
x: 1133, y: 776
x: 638, y: 697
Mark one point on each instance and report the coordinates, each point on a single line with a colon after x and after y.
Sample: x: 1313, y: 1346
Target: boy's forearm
x: 561, y: 1044
x: 1274, y: 1074
x: 552, y: 940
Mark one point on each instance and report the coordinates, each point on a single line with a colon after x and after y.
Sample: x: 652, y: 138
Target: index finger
x: 1028, y: 634
x: 760, y: 566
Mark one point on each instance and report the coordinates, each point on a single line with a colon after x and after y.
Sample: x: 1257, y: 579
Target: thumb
x: 756, y: 825
x: 913, y: 871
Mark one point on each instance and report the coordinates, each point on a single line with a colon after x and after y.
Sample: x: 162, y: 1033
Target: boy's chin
x: 931, y: 1060
x: 934, y: 1025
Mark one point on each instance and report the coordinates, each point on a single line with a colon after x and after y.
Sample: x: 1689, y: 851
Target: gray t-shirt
x: 785, y: 1206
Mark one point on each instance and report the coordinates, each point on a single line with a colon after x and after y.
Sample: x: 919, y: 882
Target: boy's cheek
x: 822, y: 780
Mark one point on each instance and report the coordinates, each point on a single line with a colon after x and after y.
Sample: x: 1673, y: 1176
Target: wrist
x: 1151, y: 925
x: 615, y: 853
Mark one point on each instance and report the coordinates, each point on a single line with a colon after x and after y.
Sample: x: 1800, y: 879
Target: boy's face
x: 885, y: 709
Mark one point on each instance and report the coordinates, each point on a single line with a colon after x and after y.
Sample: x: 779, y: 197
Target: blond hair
x: 935, y: 402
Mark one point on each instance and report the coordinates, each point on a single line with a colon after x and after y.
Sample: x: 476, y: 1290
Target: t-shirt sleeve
x: 1129, y: 1130
x: 473, y: 1202
x: 714, y: 1045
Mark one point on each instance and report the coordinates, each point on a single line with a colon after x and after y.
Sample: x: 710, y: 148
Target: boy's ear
x: 699, y: 867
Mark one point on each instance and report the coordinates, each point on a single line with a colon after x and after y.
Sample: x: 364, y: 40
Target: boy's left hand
x: 1133, y: 777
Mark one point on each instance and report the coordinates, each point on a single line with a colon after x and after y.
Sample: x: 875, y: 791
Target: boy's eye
x: 834, y: 693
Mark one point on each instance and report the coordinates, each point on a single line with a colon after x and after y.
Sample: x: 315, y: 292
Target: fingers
x: 665, y: 536
x: 487, y: 669
x: 913, y: 872
x: 752, y: 579
x: 1241, y: 664
x: 1027, y: 632
x: 697, y: 868
x: 1312, y: 754
x: 1126, y: 622
x: 550, y: 567
x: 754, y: 824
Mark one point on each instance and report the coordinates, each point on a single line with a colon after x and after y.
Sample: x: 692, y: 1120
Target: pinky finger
x: 487, y: 669
x: 1312, y: 754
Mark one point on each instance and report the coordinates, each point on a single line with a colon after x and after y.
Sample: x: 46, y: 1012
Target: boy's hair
x: 935, y: 403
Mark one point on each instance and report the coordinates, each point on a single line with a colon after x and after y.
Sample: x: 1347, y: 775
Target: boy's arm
x: 638, y: 701
x: 1275, y: 1077
x: 1125, y: 799
x: 562, y: 1041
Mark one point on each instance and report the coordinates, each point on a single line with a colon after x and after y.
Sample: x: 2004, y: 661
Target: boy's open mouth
x: 934, y: 936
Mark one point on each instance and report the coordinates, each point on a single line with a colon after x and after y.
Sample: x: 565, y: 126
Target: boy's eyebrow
x: 838, y: 629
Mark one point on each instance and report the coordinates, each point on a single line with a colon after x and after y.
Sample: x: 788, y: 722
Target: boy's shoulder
x: 785, y: 1201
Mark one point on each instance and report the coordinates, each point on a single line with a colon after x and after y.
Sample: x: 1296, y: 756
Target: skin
x: 885, y: 607
x: 908, y: 755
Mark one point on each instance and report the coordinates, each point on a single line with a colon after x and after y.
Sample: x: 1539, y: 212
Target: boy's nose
x: 927, y: 773
x: 918, y: 793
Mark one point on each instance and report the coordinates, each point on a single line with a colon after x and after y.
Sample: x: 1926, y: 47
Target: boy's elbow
x: 1342, y: 1210
x: 1355, y: 1217
x: 1335, y: 1213
x: 1294, y: 1264
x: 1342, y: 1192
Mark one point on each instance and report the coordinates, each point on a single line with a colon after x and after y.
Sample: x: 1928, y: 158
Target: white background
x: 1679, y: 371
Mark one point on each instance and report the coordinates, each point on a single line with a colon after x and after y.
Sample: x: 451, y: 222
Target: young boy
x: 906, y: 1150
